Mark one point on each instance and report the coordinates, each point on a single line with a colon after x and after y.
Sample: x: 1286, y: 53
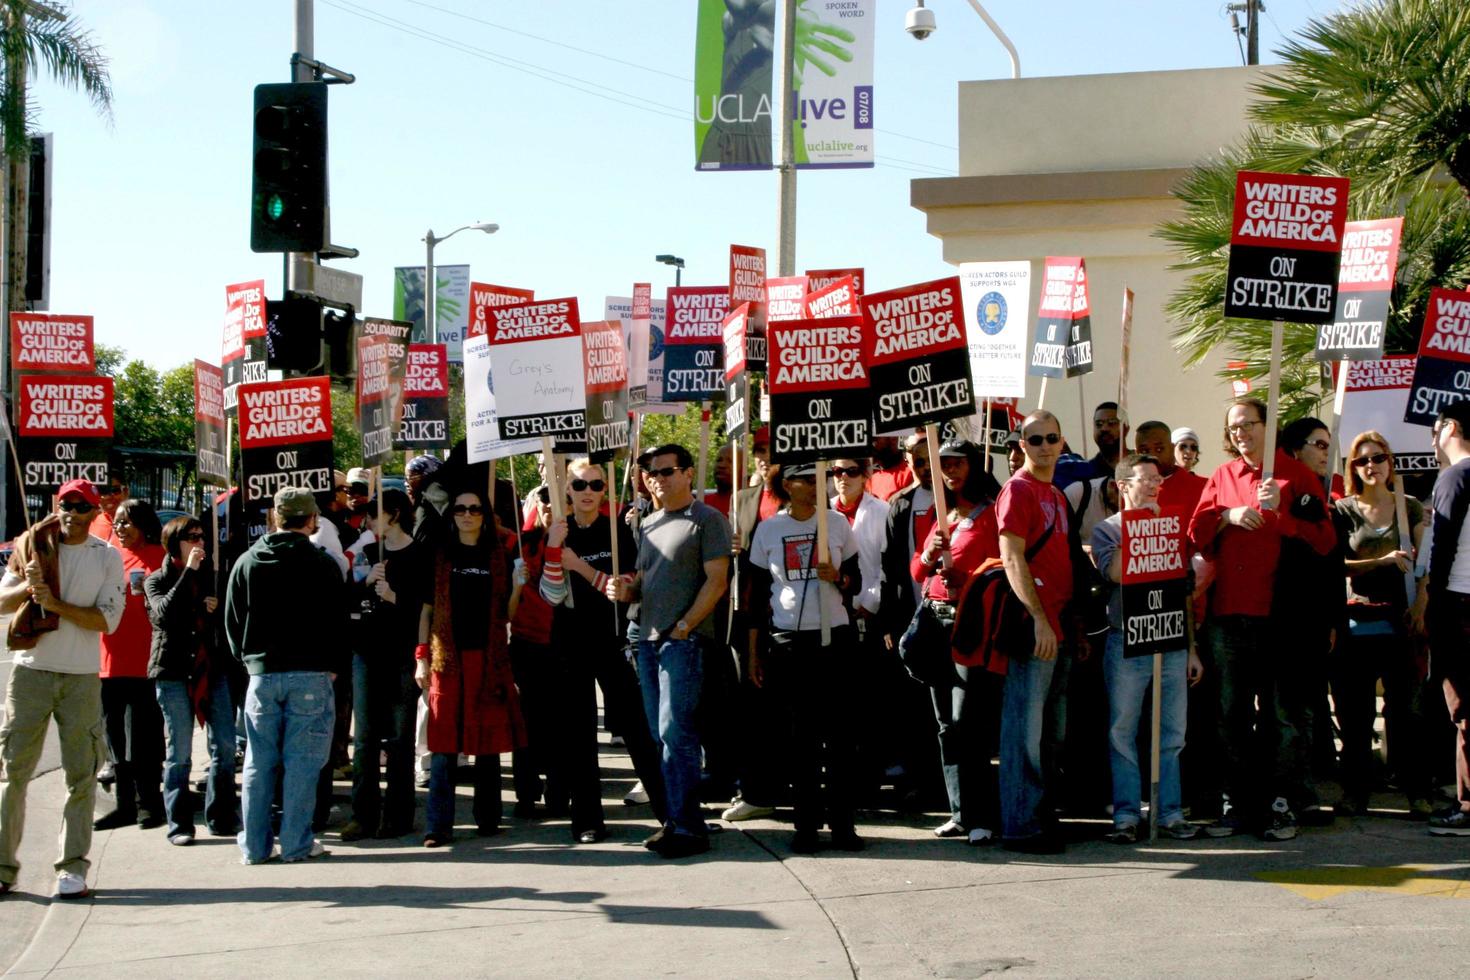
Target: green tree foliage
x: 1379, y: 94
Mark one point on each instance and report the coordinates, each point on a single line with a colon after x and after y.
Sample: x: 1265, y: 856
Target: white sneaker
x: 181, y: 840
x: 70, y: 885
x: 981, y: 836
x: 949, y: 829
x: 421, y: 778
x: 315, y: 851
x: 637, y: 796
x: 746, y: 811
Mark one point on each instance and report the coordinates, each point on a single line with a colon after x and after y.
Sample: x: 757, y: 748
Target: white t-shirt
x: 785, y: 547
x: 91, y: 575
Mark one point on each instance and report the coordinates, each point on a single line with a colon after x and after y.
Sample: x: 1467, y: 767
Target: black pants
x: 1360, y: 662
x: 967, y: 711
x: 818, y: 689
x: 384, y: 702
x: 134, y: 727
x: 574, y: 672
x: 716, y: 721
x: 531, y: 664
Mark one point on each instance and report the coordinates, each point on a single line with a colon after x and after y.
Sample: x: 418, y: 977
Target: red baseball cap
x: 83, y: 487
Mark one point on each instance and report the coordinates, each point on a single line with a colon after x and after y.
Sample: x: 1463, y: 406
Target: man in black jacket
x: 286, y: 620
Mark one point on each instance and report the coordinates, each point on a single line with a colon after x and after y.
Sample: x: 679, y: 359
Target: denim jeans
x: 671, y: 673
x: 1128, y: 680
x: 221, y: 812
x: 967, y: 711
x: 487, y: 806
x: 384, y: 696
x: 1028, y: 732
x: 288, y: 728
x: 1255, y: 734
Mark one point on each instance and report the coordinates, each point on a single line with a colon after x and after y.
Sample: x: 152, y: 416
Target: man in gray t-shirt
x: 683, y: 561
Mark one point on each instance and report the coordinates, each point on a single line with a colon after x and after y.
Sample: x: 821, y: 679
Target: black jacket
x: 897, y: 608
x: 176, y: 610
x: 286, y: 609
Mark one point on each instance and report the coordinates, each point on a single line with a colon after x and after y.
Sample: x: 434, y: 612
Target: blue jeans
x: 221, y: 812
x: 288, y: 727
x: 1026, y: 741
x: 1128, y: 680
x: 671, y: 673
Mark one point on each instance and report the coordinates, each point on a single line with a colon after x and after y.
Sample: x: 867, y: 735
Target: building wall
x: 1082, y: 165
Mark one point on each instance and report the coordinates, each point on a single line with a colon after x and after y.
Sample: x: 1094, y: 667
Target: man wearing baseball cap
x: 76, y: 581
x: 285, y: 617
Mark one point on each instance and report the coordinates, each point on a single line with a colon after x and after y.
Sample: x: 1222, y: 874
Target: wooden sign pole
x: 1273, y: 397
x: 823, y: 554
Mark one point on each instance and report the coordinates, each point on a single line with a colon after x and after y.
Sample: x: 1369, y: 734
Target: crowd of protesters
x: 794, y: 642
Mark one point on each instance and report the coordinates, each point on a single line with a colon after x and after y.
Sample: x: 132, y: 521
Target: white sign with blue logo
x: 997, y: 298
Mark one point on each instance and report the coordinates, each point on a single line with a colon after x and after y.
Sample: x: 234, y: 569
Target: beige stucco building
x: 1082, y: 165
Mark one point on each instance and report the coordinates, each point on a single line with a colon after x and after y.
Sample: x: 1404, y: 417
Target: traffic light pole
x: 304, y: 37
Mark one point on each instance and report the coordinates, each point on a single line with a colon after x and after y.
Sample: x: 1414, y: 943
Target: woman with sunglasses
x: 190, y: 679
x: 464, y: 664
x: 1379, y: 642
x: 966, y: 699
x: 587, y: 644
x: 129, y: 703
x: 1186, y: 447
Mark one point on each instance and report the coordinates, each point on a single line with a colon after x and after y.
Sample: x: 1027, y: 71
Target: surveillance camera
x: 919, y: 22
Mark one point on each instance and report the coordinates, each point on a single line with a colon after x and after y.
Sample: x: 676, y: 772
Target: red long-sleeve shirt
x: 1245, y: 561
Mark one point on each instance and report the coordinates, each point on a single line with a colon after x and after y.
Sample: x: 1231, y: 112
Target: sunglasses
x: 849, y: 471
x: 596, y: 486
x: 1377, y: 459
x: 473, y: 510
x: 194, y: 536
x: 76, y: 507
x: 664, y: 472
x: 108, y: 491
x: 1321, y: 444
x: 1051, y: 439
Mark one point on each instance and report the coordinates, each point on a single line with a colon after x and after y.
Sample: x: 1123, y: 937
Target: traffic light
x: 341, y: 344
x: 289, y: 185
x: 293, y: 335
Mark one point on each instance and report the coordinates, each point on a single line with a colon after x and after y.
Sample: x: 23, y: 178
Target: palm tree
x: 35, y: 35
x: 1381, y: 95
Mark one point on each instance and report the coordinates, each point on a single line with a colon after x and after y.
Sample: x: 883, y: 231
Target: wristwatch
x: 683, y: 625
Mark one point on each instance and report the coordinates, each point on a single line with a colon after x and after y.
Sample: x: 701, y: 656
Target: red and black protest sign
x: 44, y: 342
x: 840, y: 298
x: 748, y: 285
x: 484, y: 297
x: 1155, y: 581
x: 736, y: 414
x: 286, y: 436
x: 820, y: 403
x: 1285, y: 239
x: 65, y: 429
x: 822, y: 278
x: 694, y: 341
x: 243, y: 354
x: 640, y: 339
x: 1442, y: 375
x: 375, y: 402
x: 1063, y: 344
x: 607, y: 388
x: 785, y: 298
x: 1370, y: 256
x: 917, y: 356
x: 537, y: 370
x: 424, y: 421
x: 211, y: 455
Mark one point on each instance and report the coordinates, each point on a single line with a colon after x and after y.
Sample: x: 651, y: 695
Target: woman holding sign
x: 464, y: 665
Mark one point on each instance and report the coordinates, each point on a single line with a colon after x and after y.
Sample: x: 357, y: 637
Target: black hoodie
x: 286, y: 608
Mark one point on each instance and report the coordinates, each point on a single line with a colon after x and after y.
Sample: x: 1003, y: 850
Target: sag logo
x: 991, y: 313
x: 655, y: 343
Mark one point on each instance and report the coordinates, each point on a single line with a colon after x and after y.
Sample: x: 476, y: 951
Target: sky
x: 565, y: 121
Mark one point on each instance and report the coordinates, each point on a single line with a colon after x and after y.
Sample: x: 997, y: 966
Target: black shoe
x: 848, y: 840
x: 524, y: 810
x: 488, y: 831
x: 594, y: 836
x: 389, y: 831
x: 1036, y: 844
x: 681, y: 845
x: 149, y: 819
x: 1351, y: 806
x: 115, y: 820
x: 655, y: 840
x: 224, y: 831
x: 1455, y: 823
x: 804, y: 842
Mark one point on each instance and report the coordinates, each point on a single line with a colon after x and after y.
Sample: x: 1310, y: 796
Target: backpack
x: 990, y: 622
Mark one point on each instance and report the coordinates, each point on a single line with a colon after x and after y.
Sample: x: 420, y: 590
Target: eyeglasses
x: 471, y: 509
x: 1147, y: 480
x: 109, y: 490
x: 595, y: 485
x: 663, y: 473
x: 1321, y: 444
x: 76, y: 507
x: 1377, y: 459
x: 194, y: 536
x: 851, y: 471
x: 1239, y: 427
x: 1051, y: 439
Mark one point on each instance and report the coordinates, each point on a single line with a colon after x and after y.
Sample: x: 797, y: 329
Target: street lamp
x: 920, y: 23
x: 488, y: 227
x: 678, y: 265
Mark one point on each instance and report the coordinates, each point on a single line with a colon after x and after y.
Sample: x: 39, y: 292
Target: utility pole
x: 13, y: 288
x: 1253, y: 31
x: 786, y: 208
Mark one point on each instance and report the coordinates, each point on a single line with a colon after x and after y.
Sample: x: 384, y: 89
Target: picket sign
x: 1127, y: 346
x: 703, y: 462
x: 941, y: 509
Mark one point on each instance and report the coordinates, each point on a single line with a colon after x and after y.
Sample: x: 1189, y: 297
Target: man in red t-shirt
x: 1031, y: 515
x: 1239, y: 523
x: 891, y: 472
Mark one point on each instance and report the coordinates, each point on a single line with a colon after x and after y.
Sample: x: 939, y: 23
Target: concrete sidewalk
x: 1368, y: 897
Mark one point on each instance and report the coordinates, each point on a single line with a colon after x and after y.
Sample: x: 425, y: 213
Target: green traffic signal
x: 275, y: 206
